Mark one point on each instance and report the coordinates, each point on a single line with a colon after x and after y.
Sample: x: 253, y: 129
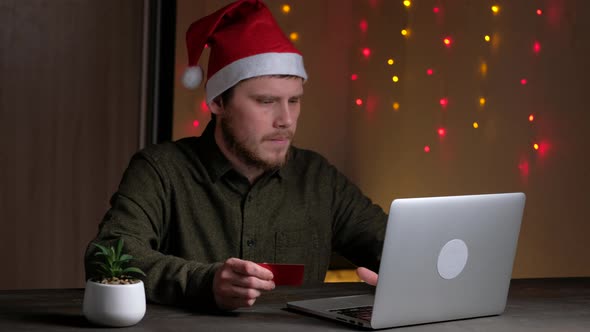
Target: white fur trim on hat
x: 256, y: 65
x: 192, y: 77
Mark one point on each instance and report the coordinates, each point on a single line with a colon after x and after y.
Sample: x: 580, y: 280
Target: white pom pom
x: 192, y: 77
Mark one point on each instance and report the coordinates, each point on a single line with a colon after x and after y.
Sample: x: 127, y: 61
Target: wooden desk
x: 533, y: 305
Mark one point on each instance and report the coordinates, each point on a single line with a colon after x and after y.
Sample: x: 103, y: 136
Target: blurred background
x: 406, y: 98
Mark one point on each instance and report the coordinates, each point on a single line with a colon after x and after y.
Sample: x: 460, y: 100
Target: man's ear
x: 216, y: 106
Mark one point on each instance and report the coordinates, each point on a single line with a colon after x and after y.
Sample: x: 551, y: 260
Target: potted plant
x: 113, y: 297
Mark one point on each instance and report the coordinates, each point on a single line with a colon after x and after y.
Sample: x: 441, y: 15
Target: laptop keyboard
x: 363, y: 313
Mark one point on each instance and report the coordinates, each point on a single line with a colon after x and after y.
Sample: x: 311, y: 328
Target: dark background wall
x: 70, y: 86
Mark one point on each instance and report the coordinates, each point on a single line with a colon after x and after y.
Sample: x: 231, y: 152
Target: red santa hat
x: 245, y: 42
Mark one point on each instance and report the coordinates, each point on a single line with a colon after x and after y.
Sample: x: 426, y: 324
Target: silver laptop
x: 444, y: 258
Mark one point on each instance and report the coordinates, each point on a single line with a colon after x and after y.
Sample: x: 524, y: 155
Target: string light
x: 495, y: 9
x: 482, y: 101
x: 537, y: 47
x: 444, y: 102
x: 286, y: 9
x: 426, y: 149
x: 436, y: 10
x: 405, y: 32
x: 354, y: 77
x: 483, y: 68
x: 523, y: 81
x: 204, y: 107
x: 395, y: 78
x: 364, y: 25
x: 536, y: 146
x: 429, y: 71
x: 390, y: 62
x: 407, y: 3
x: 531, y: 118
x: 294, y: 36
x: 395, y: 106
x: 475, y: 125
x: 441, y: 132
x: 539, y: 12
x: 487, y: 38
x: 447, y: 41
x: 196, y: 123
x: 366, y: 52
x: 359, y: 102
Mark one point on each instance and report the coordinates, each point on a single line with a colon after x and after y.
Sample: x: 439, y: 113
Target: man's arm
x: 359, y: 224
x: 139, y: 214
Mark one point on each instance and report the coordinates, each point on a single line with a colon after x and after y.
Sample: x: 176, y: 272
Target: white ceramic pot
x: 114, y: 305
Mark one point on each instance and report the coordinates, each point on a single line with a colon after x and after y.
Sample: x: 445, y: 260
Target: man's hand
x: 237, y: 283
x: 367, y: 276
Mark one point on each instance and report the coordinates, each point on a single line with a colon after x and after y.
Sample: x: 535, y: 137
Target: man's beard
x: 244, y: 153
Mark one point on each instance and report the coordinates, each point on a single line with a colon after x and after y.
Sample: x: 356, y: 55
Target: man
x: 199, y: 213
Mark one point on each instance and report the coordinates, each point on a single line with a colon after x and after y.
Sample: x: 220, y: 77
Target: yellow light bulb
x: 405, y: 32
x: 483, y: 68
x: 407, y: 3
x: 482, y: 101
x: 475, y: 125
x: 396, y: 106
x: 294, y: 36
x: 487, y: 38
x: 395, y: 79
x: 390, y: 62
x: 536, y: 146
x: 286, y: 9
x: 495, y: 9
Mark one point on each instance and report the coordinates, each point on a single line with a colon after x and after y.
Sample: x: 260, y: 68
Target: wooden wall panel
x: 70, y: 76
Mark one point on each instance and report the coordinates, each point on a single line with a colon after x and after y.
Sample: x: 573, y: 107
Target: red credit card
x: 286, y: 274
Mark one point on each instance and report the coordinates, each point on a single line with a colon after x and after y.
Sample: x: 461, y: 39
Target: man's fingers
x: 253, y: 282
x: 238, y: 283
x: 249, y: 268
x: 367, y: 276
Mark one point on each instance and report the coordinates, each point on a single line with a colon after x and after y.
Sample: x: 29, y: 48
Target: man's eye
x: 294, y: 101
x: 265, y: 101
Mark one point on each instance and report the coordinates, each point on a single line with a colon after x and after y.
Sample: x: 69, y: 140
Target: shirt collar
x: 212, y: 157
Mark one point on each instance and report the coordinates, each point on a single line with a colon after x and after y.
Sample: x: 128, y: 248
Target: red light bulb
x: 366, y: 52
x: 364, y: 25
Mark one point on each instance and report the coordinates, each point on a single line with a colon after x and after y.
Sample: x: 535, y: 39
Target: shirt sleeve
x: 358, y: 224
x: 139, y: 214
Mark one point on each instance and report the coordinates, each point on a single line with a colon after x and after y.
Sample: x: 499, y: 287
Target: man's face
x: 258, y: 123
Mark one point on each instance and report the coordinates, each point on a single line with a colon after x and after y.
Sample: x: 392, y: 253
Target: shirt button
x: 251, y: 243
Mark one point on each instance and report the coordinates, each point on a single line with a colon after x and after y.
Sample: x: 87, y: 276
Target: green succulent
x: 111, y: 264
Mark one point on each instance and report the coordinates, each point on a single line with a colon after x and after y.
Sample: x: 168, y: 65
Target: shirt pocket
x: 299, y: 247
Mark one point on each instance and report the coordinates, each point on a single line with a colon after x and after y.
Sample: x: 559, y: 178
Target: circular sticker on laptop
x: 452, y: 259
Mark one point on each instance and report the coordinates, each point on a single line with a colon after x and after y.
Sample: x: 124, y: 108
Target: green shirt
x: 182, y: 210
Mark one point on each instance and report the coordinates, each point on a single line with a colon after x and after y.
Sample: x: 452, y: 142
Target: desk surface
x: 539, y: 305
